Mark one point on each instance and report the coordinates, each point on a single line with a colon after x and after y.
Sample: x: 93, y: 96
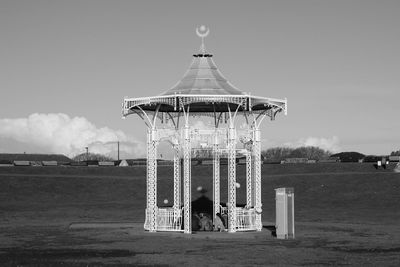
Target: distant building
x: 372, y: 158
x: 22, y: 163
x: 35, y: 158
x: 207, y: 162
x: 6, y: 163
x: 328, y: 160
x: 295, y: 160
x: 106, y: 163
x: 123, y: 163
x: 349, y: 156
x: 92, y: 163
x: 49, y: 163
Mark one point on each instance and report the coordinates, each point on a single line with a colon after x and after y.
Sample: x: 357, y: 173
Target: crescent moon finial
x: 203, y: 31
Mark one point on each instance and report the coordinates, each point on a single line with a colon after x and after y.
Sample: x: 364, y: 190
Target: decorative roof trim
x: 248, y: 102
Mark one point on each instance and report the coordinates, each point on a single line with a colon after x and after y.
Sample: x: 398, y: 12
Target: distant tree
x: 276, y: 153
x: 372, y: 158
x: 309, y: 152
x: 202, y: 153
x: 91, y: 156
x: 395, y: 153
x: 349, y: 156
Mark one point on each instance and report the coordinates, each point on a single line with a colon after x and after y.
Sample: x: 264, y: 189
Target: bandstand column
x: 249, y: 182
x: 216, y: 175
x: 257, y: 177
x: 177, y: 177
x: 232, y: 180
x: 152, y: 179
x: 187, y: 187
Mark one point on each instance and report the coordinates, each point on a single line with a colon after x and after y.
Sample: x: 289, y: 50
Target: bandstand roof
x: 203, y: 78
x: 203, y: 89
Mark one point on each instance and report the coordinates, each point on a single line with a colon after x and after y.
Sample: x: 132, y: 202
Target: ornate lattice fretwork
x: 187, y: 187
x: 148, y: 101
x: 176, y: 102
x: 216, y: 175
x: 249, y: 187
x: 232, y: 179
x: 238, y: 100
x: 152, y: 179
x: 177, y: 177
x: 257, y: 177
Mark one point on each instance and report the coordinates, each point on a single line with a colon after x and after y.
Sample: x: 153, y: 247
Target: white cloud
x: 58, y: 133
x: 330, y: 144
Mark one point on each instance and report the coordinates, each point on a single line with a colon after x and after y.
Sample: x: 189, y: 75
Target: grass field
x: 345, y: 214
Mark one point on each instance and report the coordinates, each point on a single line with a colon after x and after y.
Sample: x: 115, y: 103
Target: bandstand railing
x: 245, y: 218
x: 168, y: 219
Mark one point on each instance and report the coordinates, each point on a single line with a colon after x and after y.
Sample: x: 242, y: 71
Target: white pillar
x: 177, y: 177
x: 257, y: 177
x: 152, y: 180
x: 232, y: 179
x: 216, y: 175
x: 249, y: 183
x: 187, y: 184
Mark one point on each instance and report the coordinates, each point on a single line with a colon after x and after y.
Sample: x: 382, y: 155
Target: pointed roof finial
x: 202, y: 32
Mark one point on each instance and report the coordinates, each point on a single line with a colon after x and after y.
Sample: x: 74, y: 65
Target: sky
x: 65, y: 67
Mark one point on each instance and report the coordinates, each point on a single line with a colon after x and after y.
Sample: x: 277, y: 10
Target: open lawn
x: 345, y: 214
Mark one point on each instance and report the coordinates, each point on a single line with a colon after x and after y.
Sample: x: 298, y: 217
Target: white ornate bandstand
x: 204, y: 92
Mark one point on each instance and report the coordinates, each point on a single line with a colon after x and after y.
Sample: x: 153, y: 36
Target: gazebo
x: 204, y: 92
